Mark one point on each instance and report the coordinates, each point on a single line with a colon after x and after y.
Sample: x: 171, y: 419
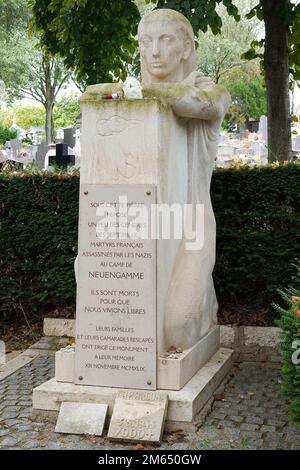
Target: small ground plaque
x: 81, y: 418
x: 138, y: 416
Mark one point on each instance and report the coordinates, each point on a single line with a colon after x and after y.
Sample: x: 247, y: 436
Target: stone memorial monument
x: 146, y: 306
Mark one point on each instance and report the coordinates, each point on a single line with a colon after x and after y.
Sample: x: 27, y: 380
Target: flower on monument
x: 132, y: 89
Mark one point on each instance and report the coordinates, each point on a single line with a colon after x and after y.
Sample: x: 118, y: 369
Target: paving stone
x: 236, y: 418
x: 24, y: 415
x: 295, y: 447
x: 55, y: 445
x: 266, y: 428
x: 5, y: 416
x: 12, y: 409
x: 276, y: 422
x: 255, y: 419
x: 9, y: 403
x: 249, y: 427
x: 219, y: 415
x: 31, y: 445
x: 11, y: 422
x: 252, y: 434
x: 254, y: 444
x: 8, y: 442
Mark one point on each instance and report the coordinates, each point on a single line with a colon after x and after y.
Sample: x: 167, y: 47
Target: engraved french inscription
x: 116, y: 288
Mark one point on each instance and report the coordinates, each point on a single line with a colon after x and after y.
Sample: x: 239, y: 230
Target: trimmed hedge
x: 38, y: 242
x: 258, y: 233
x: 258, y: 238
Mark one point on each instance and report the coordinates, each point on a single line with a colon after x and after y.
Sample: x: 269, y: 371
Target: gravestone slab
x: 42, y: 149
x: 138, y: 416
x: 15, y: 145
x: 116, y: 289
x: 81, y: 418
x: 296, y: 143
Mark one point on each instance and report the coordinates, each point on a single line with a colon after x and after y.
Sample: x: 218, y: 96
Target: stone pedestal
x: 183, y: 408
x: 173, y: 370
x: 127, y: 143
x: 130, y: 142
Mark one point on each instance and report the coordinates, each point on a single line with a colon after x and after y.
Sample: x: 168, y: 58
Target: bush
x: 258, y: 238
x: 289, y: 347
x: 7, y: 134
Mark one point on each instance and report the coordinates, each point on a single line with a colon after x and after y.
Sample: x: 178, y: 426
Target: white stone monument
x: 159, y: 149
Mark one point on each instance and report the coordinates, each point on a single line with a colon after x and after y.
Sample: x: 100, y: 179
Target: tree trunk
x: 49, y: 128
x: 277, y: 79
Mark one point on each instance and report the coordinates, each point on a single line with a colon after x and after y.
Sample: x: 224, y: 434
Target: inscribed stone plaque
x: 116, y: 288
x: 138, y: 416
x: 81, y: 418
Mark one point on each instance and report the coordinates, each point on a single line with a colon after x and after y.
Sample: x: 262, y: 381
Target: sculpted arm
x: 197, y: 97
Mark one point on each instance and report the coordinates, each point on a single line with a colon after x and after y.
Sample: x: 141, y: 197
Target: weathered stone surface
x: 59, y: 327
x: 65, y: 364
x: 81, y: 418
x: 174, y: 372
x: 138, y: 416
x: 183, y: 404
x: 227, y: 336
x: 116, y: 289
x: 261, y: 335
x: 16, y: 363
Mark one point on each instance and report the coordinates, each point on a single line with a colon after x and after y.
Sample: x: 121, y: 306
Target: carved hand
x: 199, y: 80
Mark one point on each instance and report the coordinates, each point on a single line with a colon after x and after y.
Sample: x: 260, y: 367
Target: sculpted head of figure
x: 167, y: 47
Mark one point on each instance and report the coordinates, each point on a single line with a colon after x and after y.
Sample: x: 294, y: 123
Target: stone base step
x: 184, y: 404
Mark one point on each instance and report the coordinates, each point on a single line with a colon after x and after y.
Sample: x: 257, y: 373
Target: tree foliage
x: 14, y: 55
x: 26, y: 116
x: 46, y: 77
x: 6, y: 134
x: 66, y: 110
x: 291, y: 15
x: 202, y: 13
x: 219, y: 54
x: 95, y: 39
x: 248, y: 95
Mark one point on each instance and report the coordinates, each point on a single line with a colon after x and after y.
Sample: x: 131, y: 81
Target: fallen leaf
x: 139, y: 446
x: 250, y: 394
